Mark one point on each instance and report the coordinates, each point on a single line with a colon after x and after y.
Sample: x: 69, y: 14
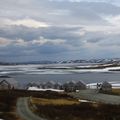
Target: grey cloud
x: 66, y: 20
x: 20, y: 32
x: 78, y: 13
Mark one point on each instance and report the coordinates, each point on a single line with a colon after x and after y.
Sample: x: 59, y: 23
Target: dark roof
x: 106, y: 84
x: 57, y: 83
x: 4, y: 81
x: 11, y: 81
x: 80, y: 83
x: 69, y: 83
x: 50, y: 83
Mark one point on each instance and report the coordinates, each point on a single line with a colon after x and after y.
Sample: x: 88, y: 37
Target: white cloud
x: 109, y: 1
x: 60, y: 12
x: 21, y: 42
x: 43, y: 41
x: 4, y: 42
x: 31, y: 23
x: 114, y: 20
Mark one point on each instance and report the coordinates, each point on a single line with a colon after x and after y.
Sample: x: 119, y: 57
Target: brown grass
x: 8, y: 99
x: 82, y: 111
x: 116, y: 91
x: 41, y: 101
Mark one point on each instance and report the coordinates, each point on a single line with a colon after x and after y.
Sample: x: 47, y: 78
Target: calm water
x: 29, y: 73
x: 86, y: 77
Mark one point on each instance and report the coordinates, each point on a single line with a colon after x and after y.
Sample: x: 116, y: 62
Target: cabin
x: 7, y: 83
x: 57, y: 86
x: 69, y: 86
x: 49, y: 85
x: 80, y: 85
x: 105, y: 87
x: 32, y: 84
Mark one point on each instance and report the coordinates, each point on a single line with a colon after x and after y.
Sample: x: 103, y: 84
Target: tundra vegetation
x: 56, y: 106
x: 72, y: 109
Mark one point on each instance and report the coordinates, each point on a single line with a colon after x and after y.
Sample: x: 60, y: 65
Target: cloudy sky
x: 33, y: 30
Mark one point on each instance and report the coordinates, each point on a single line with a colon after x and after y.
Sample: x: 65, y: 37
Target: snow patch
x: 40, y: 89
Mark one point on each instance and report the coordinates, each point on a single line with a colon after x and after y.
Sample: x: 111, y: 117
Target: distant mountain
x: 31, y: 62
x: 101, y: 61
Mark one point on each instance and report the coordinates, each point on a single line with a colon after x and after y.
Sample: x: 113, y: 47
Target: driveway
x: 93, y: 95
x: 24, y: 112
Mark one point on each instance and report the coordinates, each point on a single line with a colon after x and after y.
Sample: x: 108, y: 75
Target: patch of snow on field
x: 39, y: 89
x: 114, y: 85
x: 83, y: 100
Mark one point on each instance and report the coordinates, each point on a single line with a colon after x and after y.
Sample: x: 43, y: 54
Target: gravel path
x: 93, y: 95
x: 24, y: 112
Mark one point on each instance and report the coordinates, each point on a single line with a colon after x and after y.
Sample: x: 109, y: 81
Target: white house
x: 106, y: 87
x: 7, y: 82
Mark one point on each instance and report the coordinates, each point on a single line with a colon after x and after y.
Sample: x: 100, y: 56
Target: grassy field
x: 41, y: 101
x: 56, y: 106
x: 8, y: 105
x: 116, y: 91
x: 8, y: 99
x: 71, y: 109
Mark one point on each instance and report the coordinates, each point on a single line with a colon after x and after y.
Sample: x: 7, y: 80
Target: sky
x: 35, y: 30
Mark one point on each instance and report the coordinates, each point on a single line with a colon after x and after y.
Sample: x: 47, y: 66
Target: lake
x: 30, y: 73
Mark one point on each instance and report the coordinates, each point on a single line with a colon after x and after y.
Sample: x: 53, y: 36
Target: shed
x: 69, y: 86
x: 106, y: 87
x: 49, y: 84
x: 7, y: 82
x: 57, y: 86
x: 80, y: 85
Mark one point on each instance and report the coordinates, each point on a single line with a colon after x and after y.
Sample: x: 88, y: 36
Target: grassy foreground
x: 71, y: 109
x: 56, y: 106
x: 116, y: 91
x: 8, y: 99
x: 58, y: 102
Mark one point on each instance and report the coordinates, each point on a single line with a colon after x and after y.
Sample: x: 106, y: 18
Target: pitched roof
x: 80, y: 83
x: 9, y: 80
x: 4, y: 81
x: 106, y: 84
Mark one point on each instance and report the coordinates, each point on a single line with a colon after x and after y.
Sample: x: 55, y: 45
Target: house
x: 105, y: 87
x: 69, y: 86
x: 49, y: 84
x: 57, y: 86
x: 7, y: 82
x: 80, y: 85
x: 32, y: 84
x: 29, y: 85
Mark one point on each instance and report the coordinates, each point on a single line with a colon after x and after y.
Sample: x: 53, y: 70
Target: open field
x: 81, y: 111
x: 56, y: 106
x: 116, y: 91
x: 8, y: 99
x: 93, y: 95
x: 41, y: 101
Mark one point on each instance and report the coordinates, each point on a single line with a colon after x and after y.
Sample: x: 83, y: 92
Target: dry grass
x: 116, y: 91
x: 42, y: 101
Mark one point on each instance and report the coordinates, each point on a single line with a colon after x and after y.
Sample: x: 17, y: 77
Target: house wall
x: 11, y: 83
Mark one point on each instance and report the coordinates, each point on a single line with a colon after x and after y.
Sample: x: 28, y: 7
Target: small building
x: 29, y: 85
x: 80, y: 85
x: 32, y: 84
x: 57, y: 86
x: 7, y: 83
x: 69, y: 86
x: 49, y: 85
x: 105, y: 87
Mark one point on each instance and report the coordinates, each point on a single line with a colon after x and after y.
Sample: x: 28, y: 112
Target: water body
x: 86, y: 77
x: 29, y: 73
